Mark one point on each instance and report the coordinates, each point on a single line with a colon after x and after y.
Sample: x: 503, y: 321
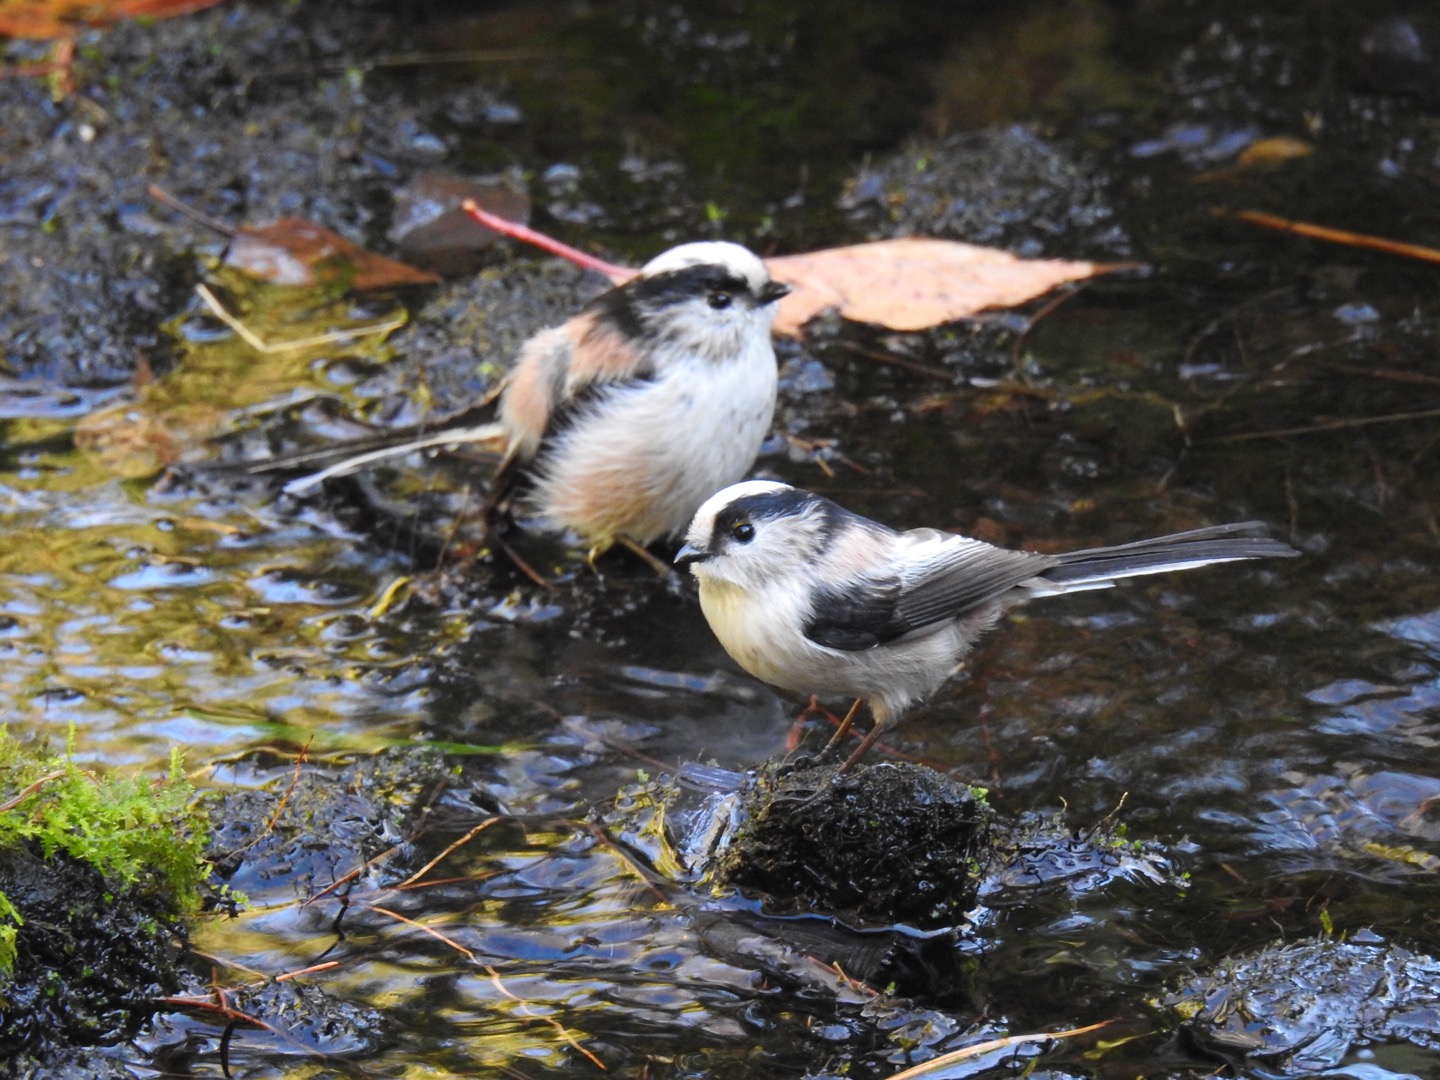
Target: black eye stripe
x: 677, y: 286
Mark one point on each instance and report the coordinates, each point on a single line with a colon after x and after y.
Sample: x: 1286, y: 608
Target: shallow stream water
x: 1267, y: 734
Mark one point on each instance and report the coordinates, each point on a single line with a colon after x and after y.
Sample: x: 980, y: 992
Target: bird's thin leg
x: 797, y: 726
x: 844, y: 728
x: 864, y: 747
x: 650, y: 559
x: 491, y: 535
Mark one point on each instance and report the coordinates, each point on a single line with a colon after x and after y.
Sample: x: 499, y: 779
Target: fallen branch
x: 1337, y: 236
x: 527, y: 235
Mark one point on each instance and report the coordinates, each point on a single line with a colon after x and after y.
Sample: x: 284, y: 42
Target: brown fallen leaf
x: 1273, y: 151
x: 129, y: 440
x: 914, y: 283
x: 911, y: 283
x: 45, y: 19
x: 293, y: 251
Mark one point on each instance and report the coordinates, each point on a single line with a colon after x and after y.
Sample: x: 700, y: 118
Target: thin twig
x: 1333, y: 425
x: 898, y: 361
x: 352, y: 875
x: 476, y: 831
x: 252, y: 339
x: 968, y: 1052
x: 30, y: 789
x: 285, y: 796
x: 1070, y: 290
x: 424, y: 929
x: 524, y: 1006
x: 313, y: 969
x: 603, y: 839
x: 164, y: 198
x: 1338, y: 236
x: 534, y: 237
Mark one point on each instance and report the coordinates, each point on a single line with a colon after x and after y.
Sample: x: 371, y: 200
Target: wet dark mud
x: 891, y: 843
x: 1313, y: 1006
x: 91, y: 961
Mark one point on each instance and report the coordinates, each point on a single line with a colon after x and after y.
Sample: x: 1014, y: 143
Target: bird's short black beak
x: 688, y: 555
x: 772, y: 291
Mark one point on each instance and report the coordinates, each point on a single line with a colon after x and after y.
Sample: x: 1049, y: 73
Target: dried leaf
x: 46, y: 19
x: 914, y: 283
x: 129, y: 440
x: 1269, y: 152
x: 293, y: 251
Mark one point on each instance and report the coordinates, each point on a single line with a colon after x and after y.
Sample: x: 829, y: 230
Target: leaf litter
x: 906, y: 283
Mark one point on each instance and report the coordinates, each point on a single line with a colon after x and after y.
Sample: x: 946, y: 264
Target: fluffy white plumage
x: 810, y: 597
x: 619, y: 422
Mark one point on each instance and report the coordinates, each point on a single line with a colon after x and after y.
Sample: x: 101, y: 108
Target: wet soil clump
x: 307, y: 834
x: 90, y: 267
x: 92, y: 959
x: 1004, y: 187
x: 888, y: 843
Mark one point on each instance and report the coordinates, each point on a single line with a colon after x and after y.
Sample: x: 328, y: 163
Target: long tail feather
x: 474, y: 423
x: 485, y: 433
x: 1096, y: 568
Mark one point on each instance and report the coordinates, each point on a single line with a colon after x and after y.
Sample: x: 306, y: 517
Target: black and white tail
x: 1098, y: 568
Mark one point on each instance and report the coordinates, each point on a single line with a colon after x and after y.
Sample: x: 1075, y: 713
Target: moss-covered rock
x: 97, y: 875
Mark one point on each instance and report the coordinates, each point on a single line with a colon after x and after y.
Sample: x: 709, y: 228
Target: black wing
x: 859, y: 615
x: 934, y: 578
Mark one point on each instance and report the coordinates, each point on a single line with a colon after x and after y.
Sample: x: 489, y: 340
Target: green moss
x: 143, y: 835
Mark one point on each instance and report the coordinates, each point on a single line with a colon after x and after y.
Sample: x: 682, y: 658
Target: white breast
x: 764, y: 634
x: 641, y: 458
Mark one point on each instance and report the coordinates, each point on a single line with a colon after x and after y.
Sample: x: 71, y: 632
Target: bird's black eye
x: 743, y: 532
x: 720, y: 299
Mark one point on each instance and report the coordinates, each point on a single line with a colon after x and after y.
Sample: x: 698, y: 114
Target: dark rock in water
x: 316, y: 828
x: 1002, y: 187
x: 431, y: 230
x: 73, y: 1063
x: 91, y: 960
x: 888, y: 843
x: 1298, y: 1009
x: 1401, y: 55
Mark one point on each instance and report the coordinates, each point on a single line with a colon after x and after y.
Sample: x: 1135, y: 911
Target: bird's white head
x: 710, y: 299
x: 754, y: 533
x: 734, y: 258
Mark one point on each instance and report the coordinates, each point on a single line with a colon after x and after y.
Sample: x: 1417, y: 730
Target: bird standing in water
x: 810, y: 597
x: 618, y: 423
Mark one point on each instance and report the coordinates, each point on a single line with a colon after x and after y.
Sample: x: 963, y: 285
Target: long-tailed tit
x: 811, y: 597
x: 618, y: 423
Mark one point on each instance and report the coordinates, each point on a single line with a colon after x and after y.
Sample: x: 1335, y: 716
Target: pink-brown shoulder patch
x: 601, y: 353
x: 534, y: 389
